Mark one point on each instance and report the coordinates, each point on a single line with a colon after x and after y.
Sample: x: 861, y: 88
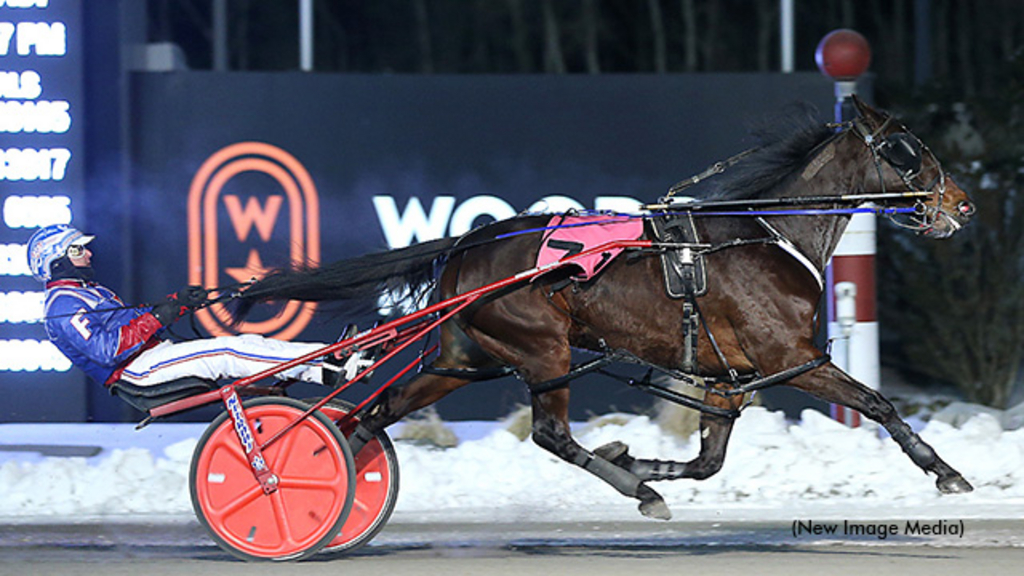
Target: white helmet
x: 49, y: 244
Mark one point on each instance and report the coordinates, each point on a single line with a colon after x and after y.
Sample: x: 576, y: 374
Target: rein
x: 228, y: 292
x: 714, y: 169
x: 694, y: 208
x: 698, y: 205
x: 879, y: 211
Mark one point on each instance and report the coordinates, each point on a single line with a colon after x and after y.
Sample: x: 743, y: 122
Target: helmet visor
x: 81, y: 240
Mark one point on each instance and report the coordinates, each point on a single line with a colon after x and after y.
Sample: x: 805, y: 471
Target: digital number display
x: 41, y: 172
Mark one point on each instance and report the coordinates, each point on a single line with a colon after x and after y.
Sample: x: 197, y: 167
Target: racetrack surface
x: 530, y: 547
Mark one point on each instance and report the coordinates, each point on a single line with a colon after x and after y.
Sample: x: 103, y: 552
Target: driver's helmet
x: 50, y: 243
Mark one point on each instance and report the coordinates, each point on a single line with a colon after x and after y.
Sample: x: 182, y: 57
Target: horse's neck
x: 836, y: 169
x: 816, y: 237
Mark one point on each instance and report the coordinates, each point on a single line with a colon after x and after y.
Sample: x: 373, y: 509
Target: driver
x: 110, y: 341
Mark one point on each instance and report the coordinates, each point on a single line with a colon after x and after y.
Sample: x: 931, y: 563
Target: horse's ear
x: 867, y: 112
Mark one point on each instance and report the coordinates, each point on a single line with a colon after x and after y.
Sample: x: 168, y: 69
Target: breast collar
x: 790, y: 248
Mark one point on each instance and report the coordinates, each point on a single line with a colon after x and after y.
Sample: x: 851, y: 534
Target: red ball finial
x: 843, y: 54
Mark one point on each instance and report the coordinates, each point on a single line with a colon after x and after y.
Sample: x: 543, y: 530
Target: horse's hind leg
x: 833, y: 385
x: 714, y: 439
x: 457, y: 352
x: 551, y: 432
x: 395, y: 404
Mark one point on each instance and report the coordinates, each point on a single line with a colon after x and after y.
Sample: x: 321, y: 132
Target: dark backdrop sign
x: 41, y: 183
x: 234, y: 173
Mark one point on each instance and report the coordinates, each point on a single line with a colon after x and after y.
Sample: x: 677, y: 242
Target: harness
x: 685, y: 276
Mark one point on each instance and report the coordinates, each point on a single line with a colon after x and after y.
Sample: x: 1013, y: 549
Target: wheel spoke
x: 310, y: 483
x: 245, y: 498
x: 359, y: 506
x: 282, y: 521
x: 283, y: 451
x: 229, y: 442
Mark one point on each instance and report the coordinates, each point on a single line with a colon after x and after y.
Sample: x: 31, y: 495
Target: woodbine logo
x: 253, y: 218
x: 880, y: 530
x: 445, y: 216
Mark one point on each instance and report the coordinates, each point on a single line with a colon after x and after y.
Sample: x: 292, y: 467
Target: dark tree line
x: 955, y: 308
x: 960, y: 46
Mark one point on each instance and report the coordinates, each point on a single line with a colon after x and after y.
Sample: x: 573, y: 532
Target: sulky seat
x: 145, y: 398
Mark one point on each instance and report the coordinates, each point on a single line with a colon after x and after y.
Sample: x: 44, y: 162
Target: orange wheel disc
x: 376, y: 492
x: 315, y: 491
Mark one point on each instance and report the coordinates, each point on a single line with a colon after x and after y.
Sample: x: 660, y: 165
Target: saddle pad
x: 575, y: 234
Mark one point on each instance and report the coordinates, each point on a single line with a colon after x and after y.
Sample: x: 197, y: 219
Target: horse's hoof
x: 656, y: 509
x: 611, y: 450
x: 954, y: 484
x: 615, y: 452
x: 652, y: 504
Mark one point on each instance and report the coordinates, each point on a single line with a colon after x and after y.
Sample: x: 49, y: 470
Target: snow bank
x: 774, y: 469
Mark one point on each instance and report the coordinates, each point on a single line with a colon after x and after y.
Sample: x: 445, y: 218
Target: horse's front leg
x: 833, y: 385
x: 714, y: 439
x: 551, y: 432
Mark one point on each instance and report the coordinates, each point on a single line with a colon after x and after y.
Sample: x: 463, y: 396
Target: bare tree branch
x: 520, y: 36
x: 689, y: 35
x: 590, y: 44
x: 426, y: 50
x: 658, y: 36
x: 554, y: 60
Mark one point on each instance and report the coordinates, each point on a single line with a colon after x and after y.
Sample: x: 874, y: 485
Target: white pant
x: 221, y: 358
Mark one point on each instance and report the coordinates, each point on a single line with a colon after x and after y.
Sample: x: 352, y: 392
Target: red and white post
x: 853, y: 321
x: 844, y: 55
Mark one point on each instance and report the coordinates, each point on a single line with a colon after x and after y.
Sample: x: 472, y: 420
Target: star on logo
x: 253, y: 268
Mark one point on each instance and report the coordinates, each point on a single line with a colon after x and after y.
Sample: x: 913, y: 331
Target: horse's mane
x: 784, y: 142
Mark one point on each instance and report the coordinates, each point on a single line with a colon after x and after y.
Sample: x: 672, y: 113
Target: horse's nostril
x: 965, y: 208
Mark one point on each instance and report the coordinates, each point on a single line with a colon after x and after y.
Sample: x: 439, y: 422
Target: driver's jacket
x: 92, y: 327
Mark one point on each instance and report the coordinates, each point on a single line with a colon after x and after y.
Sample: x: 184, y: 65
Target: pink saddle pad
x: 575, y: 234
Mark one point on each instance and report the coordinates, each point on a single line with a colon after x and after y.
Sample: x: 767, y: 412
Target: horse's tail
x: 355, y: 279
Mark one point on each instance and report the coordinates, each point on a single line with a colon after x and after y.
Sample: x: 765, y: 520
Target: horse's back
x: 494, y: 252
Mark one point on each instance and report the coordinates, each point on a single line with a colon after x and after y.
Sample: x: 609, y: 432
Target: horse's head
x: 905, y: 164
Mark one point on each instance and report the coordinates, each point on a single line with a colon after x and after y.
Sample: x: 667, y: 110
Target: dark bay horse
x: 759, y: 307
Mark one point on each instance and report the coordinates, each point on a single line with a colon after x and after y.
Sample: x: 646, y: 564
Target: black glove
x: 192, y: 297
x: 177, y: 305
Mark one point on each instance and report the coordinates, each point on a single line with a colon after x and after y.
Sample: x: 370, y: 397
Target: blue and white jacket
x: 91, y: 326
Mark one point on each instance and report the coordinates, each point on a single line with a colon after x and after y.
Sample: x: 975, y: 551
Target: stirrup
x: 332, y: 369
x: 337, y: 371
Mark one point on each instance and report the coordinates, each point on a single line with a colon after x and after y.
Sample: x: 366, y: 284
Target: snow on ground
x: 775, y: 469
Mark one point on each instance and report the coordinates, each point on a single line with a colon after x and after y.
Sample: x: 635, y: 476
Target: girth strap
x: 691, y: 328
x: 576, y: 372
x: 469, y: 373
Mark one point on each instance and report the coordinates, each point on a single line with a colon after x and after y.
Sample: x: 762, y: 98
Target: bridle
x: 904, y: 153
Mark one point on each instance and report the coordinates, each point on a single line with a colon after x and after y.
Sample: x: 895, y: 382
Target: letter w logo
x: 263, y: 217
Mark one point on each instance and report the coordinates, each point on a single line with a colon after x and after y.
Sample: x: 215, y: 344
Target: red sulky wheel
x: 314, y: 495
x: 376, y: 492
